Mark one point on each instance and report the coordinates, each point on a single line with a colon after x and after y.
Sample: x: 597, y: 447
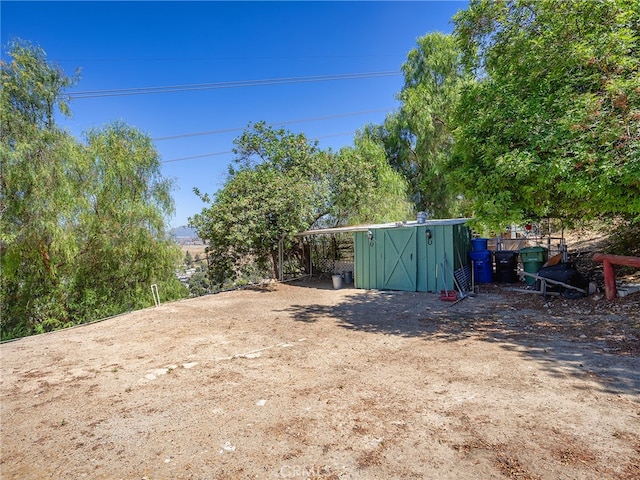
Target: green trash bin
x: 533, y: 259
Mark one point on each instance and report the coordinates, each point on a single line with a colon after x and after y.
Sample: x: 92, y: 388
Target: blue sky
x: 123, y: 45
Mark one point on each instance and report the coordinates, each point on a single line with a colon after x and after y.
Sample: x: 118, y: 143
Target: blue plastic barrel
x: 479, y: 244
x: 482, y: 266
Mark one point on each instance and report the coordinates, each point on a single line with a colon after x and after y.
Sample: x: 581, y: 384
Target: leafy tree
x: 198, y: 284
x: 418, y: 139
x: 32, y: 91
x: 124, y: 243
x: 81, y: 226
x: 36, y: 192
x: 267, y: 195
x: 552, y: 125
x: 365, y: 187
x: 281, y: 184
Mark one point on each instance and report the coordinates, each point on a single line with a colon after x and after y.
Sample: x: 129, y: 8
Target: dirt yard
x: 302, y: 381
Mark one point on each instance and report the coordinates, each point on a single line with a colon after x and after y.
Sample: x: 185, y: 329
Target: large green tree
x: 364, y: 187
x: 124, y: 246
x: 36, y: 192
x: 551, y: 127
x: 81, y: 225
x: 418, y: 138
x: 280, y: 184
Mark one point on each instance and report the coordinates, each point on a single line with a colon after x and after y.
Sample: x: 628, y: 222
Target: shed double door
x: 399, y: 257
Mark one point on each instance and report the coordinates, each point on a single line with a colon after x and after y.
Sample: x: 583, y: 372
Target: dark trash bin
x: 506, y: 266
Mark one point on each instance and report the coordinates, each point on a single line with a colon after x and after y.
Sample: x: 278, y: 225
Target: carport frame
x: 325, y: 231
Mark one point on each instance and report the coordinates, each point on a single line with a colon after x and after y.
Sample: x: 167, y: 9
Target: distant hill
x: 183, y: 231
x: 185, y: 234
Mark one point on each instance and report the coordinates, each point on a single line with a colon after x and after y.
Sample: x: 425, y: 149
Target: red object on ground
x: 448, y: 295
x: 608, y: 261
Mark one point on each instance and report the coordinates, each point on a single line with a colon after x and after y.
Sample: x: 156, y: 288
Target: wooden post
x: 609, y: 280
x: 608, y: 261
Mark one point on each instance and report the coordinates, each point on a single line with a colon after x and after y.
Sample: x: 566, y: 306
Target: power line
x: 286, y: 122
x: 233, y: 84
x: 215, y: 58
x: 204, y: 155
x: 215, y: 154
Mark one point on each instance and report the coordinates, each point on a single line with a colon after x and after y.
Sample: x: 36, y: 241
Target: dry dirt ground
x: 303, y: 381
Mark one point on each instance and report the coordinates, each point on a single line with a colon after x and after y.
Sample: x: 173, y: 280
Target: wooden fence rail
x: 608, y: 261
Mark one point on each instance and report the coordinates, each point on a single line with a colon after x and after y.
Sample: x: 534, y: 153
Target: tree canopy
x: 418, y: 138
x: 81, y: 224
x: 551, y: 126
x: 280, y: 184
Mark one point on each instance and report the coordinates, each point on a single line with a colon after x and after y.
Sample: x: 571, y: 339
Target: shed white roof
x: 364, y: 228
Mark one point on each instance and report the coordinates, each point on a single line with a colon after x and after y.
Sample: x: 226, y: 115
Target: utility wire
x: 286, y: 122
x: 204, y: 155
x: 215, y: 154
x: 208, y: 59
x: 220, y: 85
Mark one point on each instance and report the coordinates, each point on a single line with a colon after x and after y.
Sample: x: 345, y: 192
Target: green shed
x: 410, y: 255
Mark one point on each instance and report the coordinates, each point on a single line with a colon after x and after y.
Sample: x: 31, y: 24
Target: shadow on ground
x: 603, y: 347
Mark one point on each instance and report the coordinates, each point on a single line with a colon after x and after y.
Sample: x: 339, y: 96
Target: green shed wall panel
x: 365, y: 275
x: 399, y: 259
x: 403, y: 258
x: 431, y: 276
